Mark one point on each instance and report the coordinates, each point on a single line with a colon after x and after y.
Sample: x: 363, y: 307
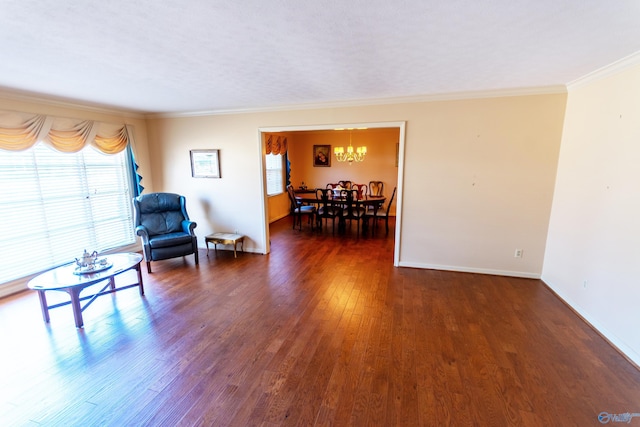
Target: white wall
x: 592, y: 257
x: 479, y: 182
x: 231, y: 203
x: 478, y: 177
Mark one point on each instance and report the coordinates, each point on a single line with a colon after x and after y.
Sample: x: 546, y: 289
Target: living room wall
x: 478, y: 175
x: 592, y: 256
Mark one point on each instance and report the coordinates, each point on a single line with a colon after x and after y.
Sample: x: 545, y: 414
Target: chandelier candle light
x: 350, y: 155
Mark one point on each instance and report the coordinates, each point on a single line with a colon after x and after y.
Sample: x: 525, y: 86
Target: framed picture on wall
x: 205, y: 163
x: 322, y: 155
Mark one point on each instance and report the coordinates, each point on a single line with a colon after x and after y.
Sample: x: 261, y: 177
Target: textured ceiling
x: 202, y: 55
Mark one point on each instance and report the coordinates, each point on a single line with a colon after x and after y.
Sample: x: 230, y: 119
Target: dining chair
x: 298, y: 209
x: 362, y: 190
x: 327, y: 209
x: 382, y: 213
x: 335, y: 187
x: 351, y: 209
x: 376, y: 188
x: 346, y: 184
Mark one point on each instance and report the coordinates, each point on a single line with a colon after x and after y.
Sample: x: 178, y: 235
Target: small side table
x: 225, y: 239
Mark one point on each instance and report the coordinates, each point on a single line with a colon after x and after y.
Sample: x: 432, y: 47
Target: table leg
x: 140, y: 279
x: 235, y: 255
x: 43, y: 306
x: 75, y: 304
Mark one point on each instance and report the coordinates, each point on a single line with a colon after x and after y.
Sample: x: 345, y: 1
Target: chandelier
x: 350, y: 155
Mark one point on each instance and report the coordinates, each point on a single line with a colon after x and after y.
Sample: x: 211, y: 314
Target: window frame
x: 106, y: 210
x: 269, y: 169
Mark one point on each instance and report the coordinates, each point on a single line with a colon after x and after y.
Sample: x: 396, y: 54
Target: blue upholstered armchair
x: 161, y: 220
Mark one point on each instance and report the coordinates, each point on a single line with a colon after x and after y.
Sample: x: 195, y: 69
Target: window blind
x: 54, y: 205
x: 275, y: 174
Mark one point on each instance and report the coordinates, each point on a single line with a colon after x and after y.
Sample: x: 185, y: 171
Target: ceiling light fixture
x: 350, y: 155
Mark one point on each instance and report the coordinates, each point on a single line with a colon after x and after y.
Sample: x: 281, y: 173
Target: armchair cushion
x: 169, y: 239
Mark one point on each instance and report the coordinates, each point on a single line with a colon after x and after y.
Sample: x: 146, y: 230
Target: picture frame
x: 322, y: 155
x: 205, y: 163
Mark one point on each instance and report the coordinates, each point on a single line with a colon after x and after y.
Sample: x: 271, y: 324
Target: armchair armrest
x: 142, y: 231
x: 188, y: 226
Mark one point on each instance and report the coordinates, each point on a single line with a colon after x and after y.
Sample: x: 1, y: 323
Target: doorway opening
x: 398, y: 160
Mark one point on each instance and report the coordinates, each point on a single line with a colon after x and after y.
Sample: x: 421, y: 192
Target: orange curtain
x: 276, y: 144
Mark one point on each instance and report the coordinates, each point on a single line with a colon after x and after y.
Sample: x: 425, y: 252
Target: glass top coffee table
x: 72, y: 280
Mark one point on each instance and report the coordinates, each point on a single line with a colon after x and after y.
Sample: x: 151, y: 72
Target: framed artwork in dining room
x: 322, y: 155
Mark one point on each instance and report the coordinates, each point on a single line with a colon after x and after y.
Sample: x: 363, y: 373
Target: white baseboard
x: 14, y: 287
x: 509, y: 273
x: 278, y: 218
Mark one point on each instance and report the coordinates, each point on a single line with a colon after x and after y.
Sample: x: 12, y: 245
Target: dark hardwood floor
x: 323, y: 331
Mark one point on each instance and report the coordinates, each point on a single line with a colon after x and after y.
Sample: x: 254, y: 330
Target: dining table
x: 368, y: 201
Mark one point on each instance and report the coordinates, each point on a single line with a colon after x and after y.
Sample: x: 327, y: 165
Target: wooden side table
x: 225, y: 239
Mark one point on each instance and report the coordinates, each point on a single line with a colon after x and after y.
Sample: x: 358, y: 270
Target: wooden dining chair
x: 298, y: 209
x: 327, y: 209
x: 376, y: 188
x: 382, y: 213
x: 351, y: 209
x: 362, y: 190
x: 346, y: 184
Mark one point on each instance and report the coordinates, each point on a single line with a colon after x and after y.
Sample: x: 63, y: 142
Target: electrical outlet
x: 584, y: 284
x: 518, y: 253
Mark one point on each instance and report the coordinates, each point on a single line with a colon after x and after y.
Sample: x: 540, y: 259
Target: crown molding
x: 453, y: 96
x: 498, y: 93
x: 23, y: 97
x: 608, y: 70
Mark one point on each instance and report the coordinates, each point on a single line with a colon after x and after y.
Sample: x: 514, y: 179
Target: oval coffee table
x: 68, y: 278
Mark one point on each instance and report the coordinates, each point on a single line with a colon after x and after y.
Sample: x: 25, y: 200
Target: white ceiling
x: 218, y: 55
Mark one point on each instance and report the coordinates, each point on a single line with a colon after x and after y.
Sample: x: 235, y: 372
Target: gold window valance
x: 276, y: 144
x: 20, y: 131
